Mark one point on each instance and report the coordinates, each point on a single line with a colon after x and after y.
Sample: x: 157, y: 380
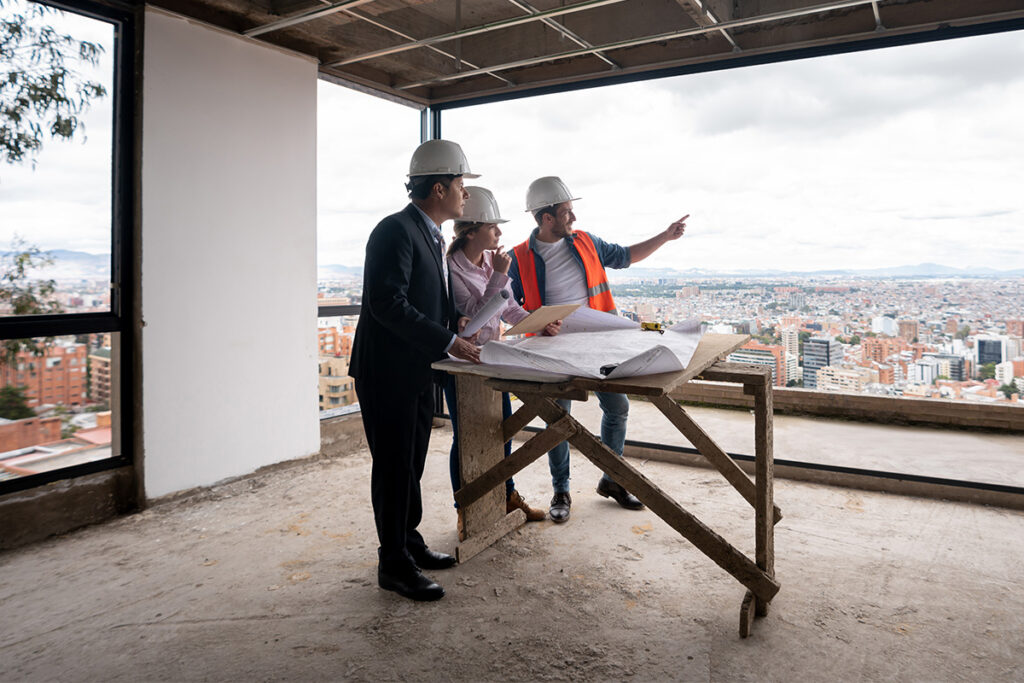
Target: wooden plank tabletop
x: 712, y: 347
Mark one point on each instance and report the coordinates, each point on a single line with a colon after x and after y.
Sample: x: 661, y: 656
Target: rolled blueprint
x: 494, y: 306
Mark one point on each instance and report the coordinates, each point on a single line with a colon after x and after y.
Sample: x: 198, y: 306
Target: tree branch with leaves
x: 42, y: 87
x: 21, y: 294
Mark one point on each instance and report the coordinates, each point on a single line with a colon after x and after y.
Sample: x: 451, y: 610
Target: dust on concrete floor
x: 273, y: 578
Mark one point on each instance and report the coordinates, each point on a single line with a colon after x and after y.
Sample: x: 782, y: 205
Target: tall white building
x: 923, y: 371
x: 791, y: 341
x: 792, y: 368
x: 1004, y: 373
x: 883, y: 324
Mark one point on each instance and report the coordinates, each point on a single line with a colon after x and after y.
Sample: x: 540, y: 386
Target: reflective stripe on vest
x: 599, y: 296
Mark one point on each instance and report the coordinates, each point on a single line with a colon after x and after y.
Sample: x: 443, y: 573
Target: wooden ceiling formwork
x: 445, y: 53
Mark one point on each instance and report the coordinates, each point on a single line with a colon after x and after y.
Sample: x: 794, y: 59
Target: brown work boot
x: 515, y: 501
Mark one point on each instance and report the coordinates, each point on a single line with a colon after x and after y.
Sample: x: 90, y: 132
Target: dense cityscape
x: 951, y: 338
x: 959, y: 339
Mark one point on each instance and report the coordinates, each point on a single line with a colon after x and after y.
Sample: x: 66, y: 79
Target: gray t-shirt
x: 564, y: 280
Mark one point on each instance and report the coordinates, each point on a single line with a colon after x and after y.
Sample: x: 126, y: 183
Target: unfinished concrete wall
x: 228, y: 255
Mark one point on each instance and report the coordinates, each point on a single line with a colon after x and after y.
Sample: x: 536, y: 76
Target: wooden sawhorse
x: 482, y: 434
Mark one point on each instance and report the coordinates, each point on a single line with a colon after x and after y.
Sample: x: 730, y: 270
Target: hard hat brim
x: 538, y: 208
x: 460, y: 175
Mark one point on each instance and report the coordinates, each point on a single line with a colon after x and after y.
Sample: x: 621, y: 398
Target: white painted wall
x: 228, y: 255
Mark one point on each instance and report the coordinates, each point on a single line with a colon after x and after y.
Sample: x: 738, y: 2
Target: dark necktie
x: 439, y: 241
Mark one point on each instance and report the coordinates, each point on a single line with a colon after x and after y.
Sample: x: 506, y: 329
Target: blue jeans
x: 614, y: 413
x: 453, y: 456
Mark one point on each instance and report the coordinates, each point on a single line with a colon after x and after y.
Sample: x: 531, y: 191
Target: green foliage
x: 794, y: 383
x: 40, y: 86
x: 855, y: 339
x: 23, y: 295
x: 14, y: 403
x: 963, y: 332
x: 987, y: 371
x: 1008, y: 390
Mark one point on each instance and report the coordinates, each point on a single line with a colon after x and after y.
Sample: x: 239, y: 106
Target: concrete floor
x: 273, y: 578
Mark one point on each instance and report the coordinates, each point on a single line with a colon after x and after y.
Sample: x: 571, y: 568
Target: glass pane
x: 360, y: 180
x: 337, y: 389
x: 55, y: 201
x: 857, y: 215
x: 360, y: 177
x: 58, y: 403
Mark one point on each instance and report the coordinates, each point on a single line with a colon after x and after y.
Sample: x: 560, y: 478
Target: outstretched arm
x: 641, y: 250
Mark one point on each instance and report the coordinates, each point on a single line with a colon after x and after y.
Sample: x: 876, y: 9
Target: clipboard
x: 539, y: 319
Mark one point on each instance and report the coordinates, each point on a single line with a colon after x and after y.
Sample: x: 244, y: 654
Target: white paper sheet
x: 585, y: 319
x: 493, y: 306
x: 632, y: 351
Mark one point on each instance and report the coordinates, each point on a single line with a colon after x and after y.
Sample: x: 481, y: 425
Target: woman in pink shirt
x: 478, y: 268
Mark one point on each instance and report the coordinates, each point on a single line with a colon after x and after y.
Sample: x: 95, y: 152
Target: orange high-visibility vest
x: 599, y: 295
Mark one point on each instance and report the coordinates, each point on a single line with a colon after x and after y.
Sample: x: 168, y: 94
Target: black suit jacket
x: 407, y: 316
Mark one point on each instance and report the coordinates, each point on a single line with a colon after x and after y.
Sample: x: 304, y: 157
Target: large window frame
x: 1010, y: 496
x: 121, y: 316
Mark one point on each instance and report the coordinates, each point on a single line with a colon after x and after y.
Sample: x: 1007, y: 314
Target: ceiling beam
x: 391, y: 29
x: 561, y: 28
x: 476, y: 30
x: 305, y: 16
x: 705, y: 16
x: 672, y: 35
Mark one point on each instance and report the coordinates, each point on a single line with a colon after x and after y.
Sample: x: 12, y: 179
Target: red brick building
x: 879, y: 349
x: 332, y: 342
x: 772, y: 355
x: 56, y: 377
x: 908, y: 329
x: 31, y: 431
x: 99, y: 375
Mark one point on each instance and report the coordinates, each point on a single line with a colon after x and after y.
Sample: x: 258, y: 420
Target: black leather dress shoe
x: 410, y: 584
x: 560, y: 505
x: 611, y: 489
x: 428, y: 559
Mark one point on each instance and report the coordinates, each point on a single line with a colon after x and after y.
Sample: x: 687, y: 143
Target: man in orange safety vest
x: 559, y: 265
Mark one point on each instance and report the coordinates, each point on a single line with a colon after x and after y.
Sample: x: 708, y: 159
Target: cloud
x: 830, y: 96
x: 952, y: 216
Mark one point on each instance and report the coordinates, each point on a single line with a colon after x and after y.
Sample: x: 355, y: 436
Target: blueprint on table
x: 591, y: 340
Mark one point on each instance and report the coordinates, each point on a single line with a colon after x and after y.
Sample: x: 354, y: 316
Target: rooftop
x: 272, y: 577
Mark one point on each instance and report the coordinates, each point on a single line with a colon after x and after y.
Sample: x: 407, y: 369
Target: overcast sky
x: 64, y: 203
x: 875, y: 159
x: 882, y: 158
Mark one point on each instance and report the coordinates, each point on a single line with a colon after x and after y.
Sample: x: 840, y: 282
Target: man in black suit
x: 406, y: 322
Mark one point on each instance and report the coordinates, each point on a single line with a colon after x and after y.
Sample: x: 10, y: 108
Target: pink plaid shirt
x: 474, y: 286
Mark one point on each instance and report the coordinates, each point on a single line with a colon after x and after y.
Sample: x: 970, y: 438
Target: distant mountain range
x: 76, y: 265
x: 641, y: 273
x: 73, y: 265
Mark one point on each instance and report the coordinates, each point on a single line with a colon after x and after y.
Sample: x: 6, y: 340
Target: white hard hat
x: 440, y: 157
x: 480, y: 207
x: 547, y: 191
